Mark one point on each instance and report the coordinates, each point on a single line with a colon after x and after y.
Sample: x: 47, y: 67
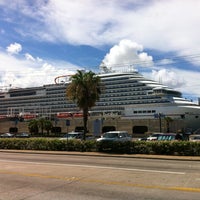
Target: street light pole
x: 160, y: 122
x: 159, y: 116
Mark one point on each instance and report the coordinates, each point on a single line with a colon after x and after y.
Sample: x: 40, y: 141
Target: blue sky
x: 43, y: 39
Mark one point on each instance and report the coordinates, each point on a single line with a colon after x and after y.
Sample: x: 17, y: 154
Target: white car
x: 72, y: 135
x: 7, y: 135
x: 194, y: 138
x: 115, y: 136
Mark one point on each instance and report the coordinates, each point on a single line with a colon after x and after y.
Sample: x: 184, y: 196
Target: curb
x: 139, y: 156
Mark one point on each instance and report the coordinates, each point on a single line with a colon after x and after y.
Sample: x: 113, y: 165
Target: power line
x: 173, y: 60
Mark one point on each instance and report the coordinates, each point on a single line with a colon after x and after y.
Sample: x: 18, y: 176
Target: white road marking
x: 96, y: 167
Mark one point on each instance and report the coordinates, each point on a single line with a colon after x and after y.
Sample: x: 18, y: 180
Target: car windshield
x: 166, y: 137
x: 110, y: 135
x: 73, y: 135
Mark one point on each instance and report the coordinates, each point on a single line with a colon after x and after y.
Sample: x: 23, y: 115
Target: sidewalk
x: 73, y: 153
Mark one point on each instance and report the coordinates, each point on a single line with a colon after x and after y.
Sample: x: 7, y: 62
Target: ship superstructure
x: 128, y: 95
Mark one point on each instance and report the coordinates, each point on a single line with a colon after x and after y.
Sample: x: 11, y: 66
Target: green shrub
x: 185, y: 148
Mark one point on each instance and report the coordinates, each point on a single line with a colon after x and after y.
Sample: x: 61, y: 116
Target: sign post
x: 67, y: 124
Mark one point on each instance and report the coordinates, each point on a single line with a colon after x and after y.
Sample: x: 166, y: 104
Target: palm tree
x: 33, y: 126
x: 41, y: 124
x: 84, y: 90
x: 48, y: 126
x: 168, y: 121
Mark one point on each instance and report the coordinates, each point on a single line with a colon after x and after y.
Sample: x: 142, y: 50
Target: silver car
x: 194, y: 138
x: 72, y: 135
x: 7, y: 135
x: 115, y: 136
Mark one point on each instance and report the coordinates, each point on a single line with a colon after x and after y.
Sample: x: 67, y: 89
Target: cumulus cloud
x: 30, y: 72
x: 162, y: 25
x: 148, y: 23
x: 182, y: 80
x: 169, y: 78
x: 14, y: 48
x: 127, y: 53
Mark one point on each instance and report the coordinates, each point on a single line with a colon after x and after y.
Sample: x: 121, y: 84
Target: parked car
x: 154, y: 136
x: 72, y: 135
x: 194, y: 138
x: 168, y: 137
x: 22, y: 135
x: 7, y: 135
x: 115, y: 136
x: 107, y: 140
x: 142, y: 139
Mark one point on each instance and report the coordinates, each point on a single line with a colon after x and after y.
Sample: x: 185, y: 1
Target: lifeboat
x: 76, y: 115
x: 3, y: 117
x: 63, y: 115
x: 29, y: 116
x: 79, y: 114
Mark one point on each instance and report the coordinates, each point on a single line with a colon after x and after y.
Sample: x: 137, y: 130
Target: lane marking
x: 104, y: 182
x: 96, y: 167
x: 185, y: 189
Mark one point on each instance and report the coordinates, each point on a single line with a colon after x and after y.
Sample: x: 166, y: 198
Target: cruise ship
x: 126, y: 95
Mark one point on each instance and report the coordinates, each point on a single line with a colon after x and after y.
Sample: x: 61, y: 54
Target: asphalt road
x: 25, y: 176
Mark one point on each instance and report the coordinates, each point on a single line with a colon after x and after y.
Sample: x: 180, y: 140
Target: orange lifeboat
x: 3, y: 116
x: 29, y: 116
x: 78, y: 115
x: 63, y: 115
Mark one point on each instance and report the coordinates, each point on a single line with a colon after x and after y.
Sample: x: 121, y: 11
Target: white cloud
x: 169, y: 78
x: 168, y: 25
x: 127, y: 53
x: 165, y: 61
x: 162, y: 25
x: 29, y: 57
x: 171, y: 25
x: 30, y: 72
x: 14, y: 48
x: 181, y: 80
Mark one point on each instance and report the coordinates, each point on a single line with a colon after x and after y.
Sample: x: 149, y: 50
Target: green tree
x: 84, y: 90
x: 48, y: 126
x: 33, y: 126
x: 41, y: 124
x: 168, y: 121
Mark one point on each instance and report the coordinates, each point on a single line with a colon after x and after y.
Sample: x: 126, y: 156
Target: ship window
x: 135, y: 111
x: 196, y: 116
x: 153, y: 111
